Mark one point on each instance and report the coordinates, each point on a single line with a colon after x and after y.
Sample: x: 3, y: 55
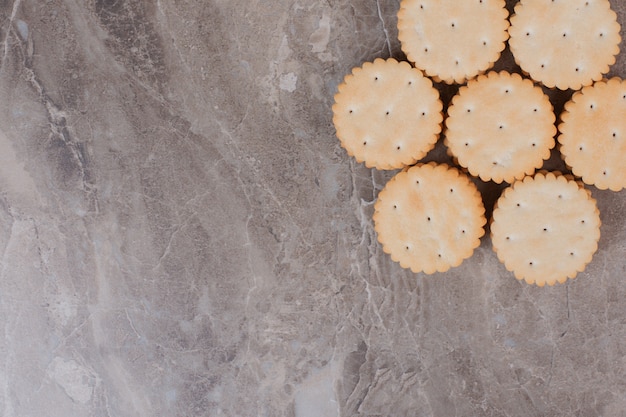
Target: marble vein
x: 182, y: 234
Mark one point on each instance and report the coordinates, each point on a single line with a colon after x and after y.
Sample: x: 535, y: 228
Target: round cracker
x: 500, y: 127
x: 453, y: 40
x: 545, y: 229
x: 387, y: 114
x: 593, y: 134
x: 419, y: 220
x: 564, y: 43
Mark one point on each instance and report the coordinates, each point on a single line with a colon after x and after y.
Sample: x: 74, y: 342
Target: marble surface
x: 181, y: 233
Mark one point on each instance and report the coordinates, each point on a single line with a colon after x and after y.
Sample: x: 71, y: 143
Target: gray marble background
x: 181, y: 233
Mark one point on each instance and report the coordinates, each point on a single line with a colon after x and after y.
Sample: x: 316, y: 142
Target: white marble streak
x: 181, y: 233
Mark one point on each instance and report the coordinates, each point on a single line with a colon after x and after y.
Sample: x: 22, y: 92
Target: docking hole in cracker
x: 593, y: 134
x: 387, y: 114
x: 564, y: 43
x: 545, y: 229
x: 429, y: 217
x: 453, y: 40
x: 500, y: 127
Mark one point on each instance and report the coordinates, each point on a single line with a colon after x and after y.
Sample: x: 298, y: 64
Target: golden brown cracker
x: 564, y: 43
x: 500, y: 127
x: 545, y: 229
x: 429, y: 218
x: 593, y: 134
x: 453, y: 40
x: 387, y: 114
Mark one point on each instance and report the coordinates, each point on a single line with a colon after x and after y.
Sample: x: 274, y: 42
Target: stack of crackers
x: 499, y: 127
